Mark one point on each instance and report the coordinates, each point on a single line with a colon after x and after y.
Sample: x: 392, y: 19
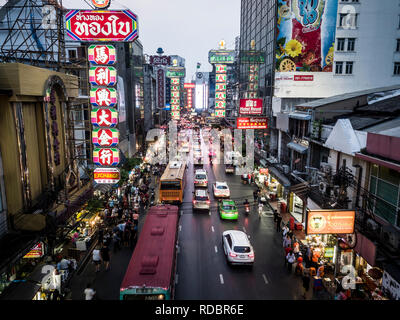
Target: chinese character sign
x: 103, y: 97
x: 102, y: 54
x: 102, y: 117
x: 102, y: 76
x: 106, y: 156
x: 105, y: 137
x: 220, y: 90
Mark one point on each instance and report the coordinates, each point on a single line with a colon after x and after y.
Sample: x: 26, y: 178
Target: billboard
x: 330, y: 221
x: 250, y: 106
x: 101, y: 25
x: 221, y: 56
x: 252, y: 123
x: 305, y: 35
x: 106, y: 175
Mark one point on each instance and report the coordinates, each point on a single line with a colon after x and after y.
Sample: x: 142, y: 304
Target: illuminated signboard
x: 106, y: 175
x: 160, y: 60
x: 101, y: 25
x: 252, y: 57
x: 220, y: 104
x: 252, y: 123
x: 36, y: 252
x: 250, y: 106
x: 104, y: 117
x: 103, y: 97
x: 330, y: 221
x: 102, y: 54
x: 178, y: 72
x: 105, y: 137
x: 220, y: 113
x: 189, y: 85
x: 221, y: 56
x: 102, y: 76
x: 106, y: 156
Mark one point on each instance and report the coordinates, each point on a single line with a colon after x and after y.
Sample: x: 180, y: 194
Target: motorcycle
x: 247, y: 208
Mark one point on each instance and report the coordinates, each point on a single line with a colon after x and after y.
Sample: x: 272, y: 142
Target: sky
x: 188, y: 28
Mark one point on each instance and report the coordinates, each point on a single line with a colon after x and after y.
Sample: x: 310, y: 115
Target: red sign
x: 102, y: 54
x: 264, y: 171
x: 101, y: 25
x: 252, y: 123
x: 189, y: 85
x: 250, y: 106
x: 330, y: 222
x: 303, y: 77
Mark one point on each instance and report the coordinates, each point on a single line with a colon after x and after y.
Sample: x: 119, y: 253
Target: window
x: 339, y: 67
x: 398, y: 45
x: 396, y: 70
x: 349, y: 67
x: 351, y: 44
x: 348, y: 20
x: 340, y: 44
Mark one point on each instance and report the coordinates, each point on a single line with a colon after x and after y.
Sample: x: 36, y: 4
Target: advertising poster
x: 305, y: 35
x: 330, y: 222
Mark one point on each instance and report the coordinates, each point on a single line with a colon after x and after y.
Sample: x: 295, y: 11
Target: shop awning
x: 279, y: 176
x: 297, y: 147
x: 300, y: 116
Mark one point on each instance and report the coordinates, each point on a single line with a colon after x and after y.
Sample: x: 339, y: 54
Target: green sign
x: 175, y: 72
x: 256, y: 57
x: 221, y: 56
x: 329, y: 252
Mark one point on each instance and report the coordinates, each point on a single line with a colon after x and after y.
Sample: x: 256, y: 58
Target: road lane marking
x: 180, y: 228
x: 209, y: 212
x: 181, y: 212
x: 216, y: 249
x: 212, y: 229
x: 265, y: 279
x: 176, y: 278
x: 221, y: 278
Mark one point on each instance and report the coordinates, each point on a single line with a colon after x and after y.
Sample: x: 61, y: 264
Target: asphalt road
x: 202, y: 271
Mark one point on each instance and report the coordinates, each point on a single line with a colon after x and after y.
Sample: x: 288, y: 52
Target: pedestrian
x: 105, y: 256
x: 287, y: 251
x: 89, y: 292
x: 100, y: 235
x: 278, y: 223
x: 133, y: 236
x: 275, y: 215
x: 291, y: 258
x: 296, y: 248
x: 287, y: 241
x: 260, y: 209
x: 285, y: 231
x: 116, y: 242
x: 97, y: 258
x: 255, y: 195
x: 306, y: 282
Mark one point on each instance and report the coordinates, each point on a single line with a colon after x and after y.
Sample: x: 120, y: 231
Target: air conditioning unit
x: 372, y: 225
x: 390, y: 237
x: 335, y: 191
x: 285, y: 168
x: 322, y: 187
x: 326, y: 167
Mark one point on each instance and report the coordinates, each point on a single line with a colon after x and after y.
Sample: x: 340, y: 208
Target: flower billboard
x: 305, y: 35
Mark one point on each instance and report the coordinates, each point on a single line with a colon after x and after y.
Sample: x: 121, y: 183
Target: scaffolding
x: 32, y: 32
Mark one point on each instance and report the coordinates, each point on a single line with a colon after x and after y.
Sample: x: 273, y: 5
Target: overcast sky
x: 188, y: 28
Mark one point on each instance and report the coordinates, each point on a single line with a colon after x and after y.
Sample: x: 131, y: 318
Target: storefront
x: 274, y: 188
x: 296, y: 207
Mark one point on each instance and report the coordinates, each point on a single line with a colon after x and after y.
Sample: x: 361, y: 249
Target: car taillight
x: 208, y: 201
x: 194, y: 201
x: 233, y: 255
x: 251, y: 255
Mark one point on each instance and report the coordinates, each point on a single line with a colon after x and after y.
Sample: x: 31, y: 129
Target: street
x: 202, y: 270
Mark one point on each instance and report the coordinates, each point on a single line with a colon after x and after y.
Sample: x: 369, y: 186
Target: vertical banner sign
x: 100, y: 26
x: 189, y: 95
x: 161, y: 86
x: 175, y: 98
x: 220, y: 90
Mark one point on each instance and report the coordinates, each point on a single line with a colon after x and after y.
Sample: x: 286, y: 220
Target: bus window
x: 170, y: 185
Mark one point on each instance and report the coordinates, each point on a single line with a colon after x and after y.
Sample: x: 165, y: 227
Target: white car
x: 237, y: 247
x: 221, y: 190
x: 201, y: 200
x: 200, y: 178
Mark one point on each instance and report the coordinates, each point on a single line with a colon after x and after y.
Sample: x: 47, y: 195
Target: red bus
x: 151, y: 270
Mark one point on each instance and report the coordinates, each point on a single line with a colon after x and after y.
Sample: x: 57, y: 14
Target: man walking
x: 278, y: 222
